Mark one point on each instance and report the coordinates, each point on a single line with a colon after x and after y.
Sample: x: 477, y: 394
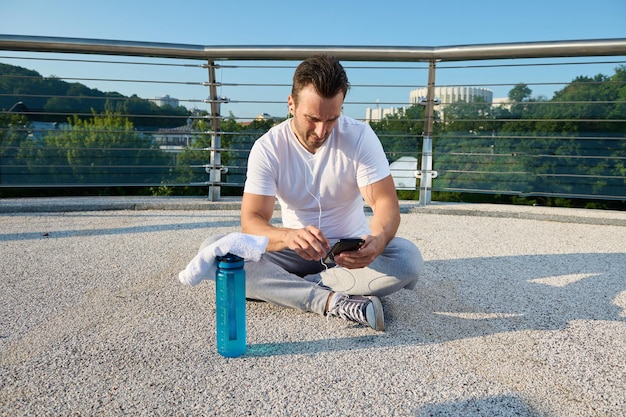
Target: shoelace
x: 350, y: 309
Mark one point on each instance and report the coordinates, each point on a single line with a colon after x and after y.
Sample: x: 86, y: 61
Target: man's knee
x: 408, y: 259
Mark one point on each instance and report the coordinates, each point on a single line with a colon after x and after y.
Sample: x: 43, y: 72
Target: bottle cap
x: 229, y: 257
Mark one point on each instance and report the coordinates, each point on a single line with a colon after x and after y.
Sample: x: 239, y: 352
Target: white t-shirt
x: 320, y: 189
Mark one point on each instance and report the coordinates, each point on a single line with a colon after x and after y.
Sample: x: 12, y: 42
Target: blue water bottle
x: 230, y: 300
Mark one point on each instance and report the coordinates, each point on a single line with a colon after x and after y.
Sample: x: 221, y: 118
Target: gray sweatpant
x: 285, y: 279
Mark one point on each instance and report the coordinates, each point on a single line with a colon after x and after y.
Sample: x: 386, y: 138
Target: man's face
x: 314, y: 117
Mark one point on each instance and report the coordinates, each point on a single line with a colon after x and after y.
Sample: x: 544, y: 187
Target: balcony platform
x: 519, y: 311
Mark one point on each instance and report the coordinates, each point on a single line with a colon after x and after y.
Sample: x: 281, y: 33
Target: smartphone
x: 343, y: 245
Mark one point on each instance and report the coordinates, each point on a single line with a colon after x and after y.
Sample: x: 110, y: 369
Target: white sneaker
x: 364, y: 310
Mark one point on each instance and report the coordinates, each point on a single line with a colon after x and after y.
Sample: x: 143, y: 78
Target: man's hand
x: 309, y: 243
x: 361, y: 258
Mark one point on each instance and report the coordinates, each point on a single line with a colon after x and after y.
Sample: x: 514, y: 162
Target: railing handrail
x: 543, y: 49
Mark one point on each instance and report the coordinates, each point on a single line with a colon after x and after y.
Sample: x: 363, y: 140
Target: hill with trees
x: 50, y: 99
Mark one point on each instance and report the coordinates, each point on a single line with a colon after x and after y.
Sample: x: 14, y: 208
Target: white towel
x: 204, y: 265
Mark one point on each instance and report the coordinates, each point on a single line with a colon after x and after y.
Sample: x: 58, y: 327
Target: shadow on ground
x: 475, y: 297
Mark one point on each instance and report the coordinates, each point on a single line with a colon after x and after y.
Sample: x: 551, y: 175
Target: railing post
x: 214, y: 169
x: 426, y: 174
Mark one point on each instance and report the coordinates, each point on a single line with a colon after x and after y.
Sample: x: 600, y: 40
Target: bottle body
x: 230, y: 300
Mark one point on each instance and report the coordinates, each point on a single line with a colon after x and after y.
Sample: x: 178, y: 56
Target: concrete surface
x: 520, y: 311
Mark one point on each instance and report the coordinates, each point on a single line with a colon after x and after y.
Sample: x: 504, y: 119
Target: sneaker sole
x: 378, y: 314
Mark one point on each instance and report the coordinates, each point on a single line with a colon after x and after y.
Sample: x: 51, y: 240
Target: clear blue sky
x: 323, y: 22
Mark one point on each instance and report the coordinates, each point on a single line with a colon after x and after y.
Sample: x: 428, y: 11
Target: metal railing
x: 464, y: 146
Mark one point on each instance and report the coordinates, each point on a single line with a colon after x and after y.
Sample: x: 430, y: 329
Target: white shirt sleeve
x: 261, y: 175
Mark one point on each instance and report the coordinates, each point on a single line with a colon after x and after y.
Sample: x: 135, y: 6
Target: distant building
x: 174, y: 140
x: 264, y: 116
x: 37, y: 130
x: 445, y: 96
x: 377, y: 114
x: 166, y: 101
x: 456, y: 94
x: 448, y: 95
x: 503, y: 102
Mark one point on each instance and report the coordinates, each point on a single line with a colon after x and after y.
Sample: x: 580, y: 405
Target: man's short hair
x: 324, y: 72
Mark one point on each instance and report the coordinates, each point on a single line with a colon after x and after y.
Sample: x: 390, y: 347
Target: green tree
x: 54, y: 100
x: 13, y: 132
x: 474, y: 117
x: 401, y: 133
x: 520, y: 93
x: 104, y: 149
x: 236, y: 140
x: 571, y: 144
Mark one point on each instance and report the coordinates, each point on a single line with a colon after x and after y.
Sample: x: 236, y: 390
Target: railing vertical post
x: 426, y: 173
x: 214, y: 169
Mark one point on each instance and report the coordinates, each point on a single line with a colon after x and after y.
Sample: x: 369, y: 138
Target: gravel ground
x: 519, y: 312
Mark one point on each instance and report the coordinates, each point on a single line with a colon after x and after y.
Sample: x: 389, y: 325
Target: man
x: 321, y: 165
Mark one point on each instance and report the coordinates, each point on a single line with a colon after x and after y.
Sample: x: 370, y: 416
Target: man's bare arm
x: 381, y: 197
